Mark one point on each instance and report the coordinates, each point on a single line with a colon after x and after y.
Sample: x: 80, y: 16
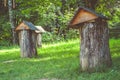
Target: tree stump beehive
x: 94, y: 33
x: 27, y: 39
x: 39, y: 35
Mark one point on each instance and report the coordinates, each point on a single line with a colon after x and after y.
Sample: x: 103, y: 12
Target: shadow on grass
x: 61, y: 62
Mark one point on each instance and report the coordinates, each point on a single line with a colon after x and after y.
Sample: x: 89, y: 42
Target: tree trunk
x: 27, y: 43
x: 95, y: 52
x: 91, y: 3
x: 12, y: 21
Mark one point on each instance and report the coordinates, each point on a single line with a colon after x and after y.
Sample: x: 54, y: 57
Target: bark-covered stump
x: 39, y: 40
x: 27, y: 40
x: 95, y: 52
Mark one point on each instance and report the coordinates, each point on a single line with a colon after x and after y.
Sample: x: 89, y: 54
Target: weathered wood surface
x: 27, y: 43
x: 39, y: 40
x: 95, y: 52
x: 22, y: 26
x: 39, y: 32
x: 33, y: 44
x: 83, y: 16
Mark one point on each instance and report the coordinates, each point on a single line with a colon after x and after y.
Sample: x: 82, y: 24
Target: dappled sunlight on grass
x: 9, y: 54
x: 115, y: 48
x: 10, y: 50
x: 61, y: 43
x: 10, y: 61
x: 54, y: 61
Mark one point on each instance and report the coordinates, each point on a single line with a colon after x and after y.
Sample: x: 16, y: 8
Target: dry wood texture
x: 94, y: 51
x: 83, y: 16
x: 5, y: 3
x: 27, y: 41
x: 22, y: 26
x: 39, y: 40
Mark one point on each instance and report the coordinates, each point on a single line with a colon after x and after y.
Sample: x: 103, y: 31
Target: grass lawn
x: 58, y: 61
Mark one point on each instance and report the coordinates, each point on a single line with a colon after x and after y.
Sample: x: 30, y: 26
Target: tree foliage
x: 54, y: 15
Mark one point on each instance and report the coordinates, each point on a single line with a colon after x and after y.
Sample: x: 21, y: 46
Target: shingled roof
x: 26, y: 25
x: 30, y: 25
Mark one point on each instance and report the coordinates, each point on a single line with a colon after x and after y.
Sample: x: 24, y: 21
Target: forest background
x: 53, y: 16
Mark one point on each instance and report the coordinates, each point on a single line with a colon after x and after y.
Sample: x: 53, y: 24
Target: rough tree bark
x: 39, y: 40
x: 95, y: 52
x: 33, y: 44
x: 27, y: 40
x: 11, y: 16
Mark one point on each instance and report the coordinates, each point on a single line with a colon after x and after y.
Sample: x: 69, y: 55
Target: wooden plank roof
x: 26, y: 25
x: 39, y: 29
x: 92, y: 11
x: 83, y: 15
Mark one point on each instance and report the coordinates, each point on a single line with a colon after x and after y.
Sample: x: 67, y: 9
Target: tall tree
x: 11, y: 4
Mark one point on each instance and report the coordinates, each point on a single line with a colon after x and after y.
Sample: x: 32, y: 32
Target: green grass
x: 54, y: 61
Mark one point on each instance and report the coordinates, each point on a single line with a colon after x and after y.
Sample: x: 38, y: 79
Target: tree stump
x: 39, y: 40
x: 27, y: 42
x: 95, y: 52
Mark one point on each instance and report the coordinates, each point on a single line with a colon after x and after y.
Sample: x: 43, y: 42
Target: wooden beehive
x: 39, y: 32
x: 94, y: 34
x: 27, y: 39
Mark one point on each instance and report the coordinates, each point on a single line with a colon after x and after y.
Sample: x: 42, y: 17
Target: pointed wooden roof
x: 39, y: 29
x: 26, y: 25
x: 84, y: 15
